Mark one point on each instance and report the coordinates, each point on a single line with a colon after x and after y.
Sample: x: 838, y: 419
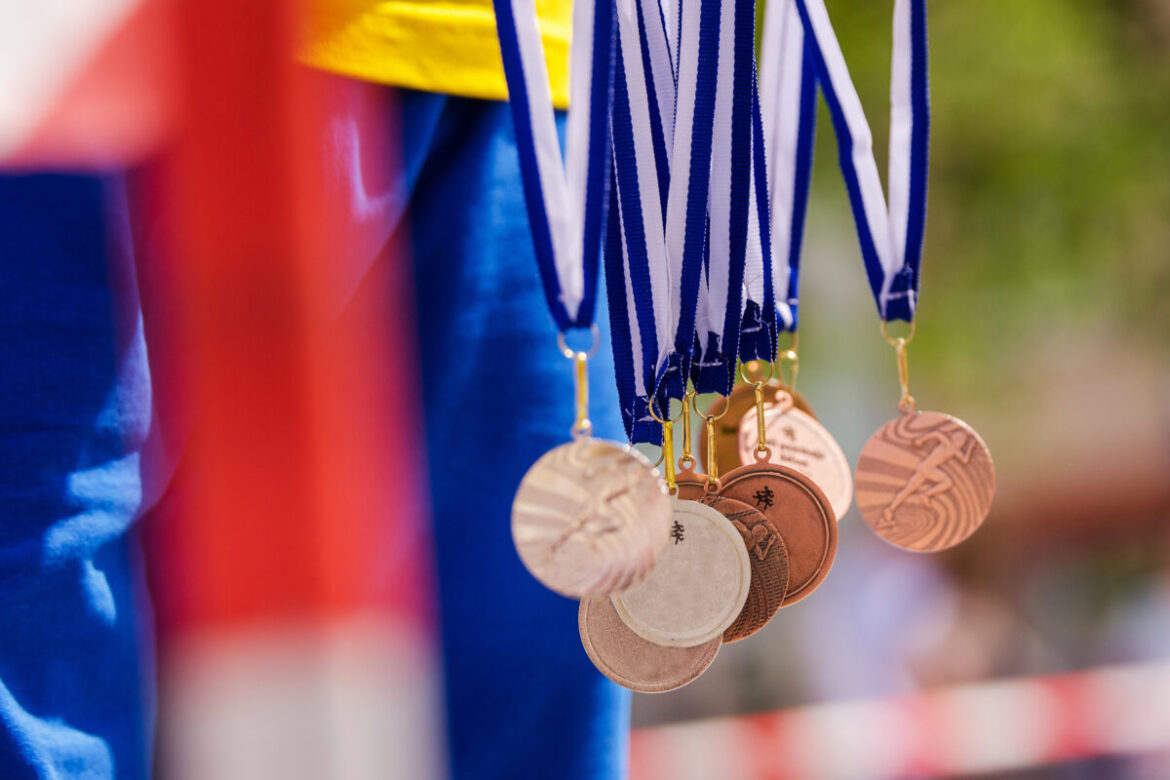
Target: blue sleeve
x: 74, y: 411
x: 523, y: 700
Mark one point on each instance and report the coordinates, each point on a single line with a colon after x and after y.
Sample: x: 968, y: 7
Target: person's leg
x: 523, y: 699
x: 74, y: 412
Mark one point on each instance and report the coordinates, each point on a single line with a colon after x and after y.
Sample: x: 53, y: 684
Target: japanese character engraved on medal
x: 590, y: 518
x: 925, y: 481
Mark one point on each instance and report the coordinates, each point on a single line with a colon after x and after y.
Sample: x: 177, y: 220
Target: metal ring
x: 892, y: 340
x: 571, y: 354
x: 704, y: 415
x: 749, y: 380
x: 650, y: 408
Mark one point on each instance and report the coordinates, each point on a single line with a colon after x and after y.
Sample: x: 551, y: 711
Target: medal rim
x: 809, y: 485
x: 705, y: 654
x: 694, y: 639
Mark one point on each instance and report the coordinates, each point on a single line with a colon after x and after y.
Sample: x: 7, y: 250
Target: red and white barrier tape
x: 982, y: 727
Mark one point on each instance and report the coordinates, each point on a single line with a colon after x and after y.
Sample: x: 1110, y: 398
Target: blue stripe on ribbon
x: 869, y: 255
x: 661, y: 160
x: 529, y: 169
x: 633, y: 222
x: 805, y: 137
x: 904, y: 288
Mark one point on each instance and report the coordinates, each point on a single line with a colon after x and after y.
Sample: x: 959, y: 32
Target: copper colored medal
x: 631, y: 661
x: 699, y: 583
x: 798, y: 510
x: 590, y: 517
x: 767, y: 555
x: 741, y: 401
x: 797, y: 440
x: 925, y: 481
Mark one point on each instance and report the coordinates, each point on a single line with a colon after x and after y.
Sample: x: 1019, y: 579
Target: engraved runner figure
x: 929, y: 480
x: 591, y: 518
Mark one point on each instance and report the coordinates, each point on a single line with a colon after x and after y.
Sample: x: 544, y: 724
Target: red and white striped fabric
x: 990, y: 727
x: 85, y: 83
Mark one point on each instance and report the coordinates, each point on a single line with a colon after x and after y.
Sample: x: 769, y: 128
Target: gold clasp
x: 581, y: 426
x: 906, y: 403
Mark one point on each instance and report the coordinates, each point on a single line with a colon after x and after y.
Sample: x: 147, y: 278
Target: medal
x: 590, y: 516
x: 797, y: 439
x: 698, y: 585
x: 631, y: 661
x: 766, y: 548
x: 925, y: 481
x: 793, y: 505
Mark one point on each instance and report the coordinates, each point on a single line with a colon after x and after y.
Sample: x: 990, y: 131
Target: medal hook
x: 687, y: 461
x: 712, y: 458
x: 906, y: 403
x: 581, y: 426
x: 761, y: 429
x: 667, y: 441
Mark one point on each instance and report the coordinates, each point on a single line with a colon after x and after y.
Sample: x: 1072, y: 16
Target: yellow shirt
x: 434, y: 45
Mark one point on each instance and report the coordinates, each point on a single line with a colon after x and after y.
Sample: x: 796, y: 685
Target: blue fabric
x: 74, y: 412
x: 523, y: 700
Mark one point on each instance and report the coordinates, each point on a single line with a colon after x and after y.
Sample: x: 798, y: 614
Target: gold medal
x: 590, y: 516
x: 925, y: 481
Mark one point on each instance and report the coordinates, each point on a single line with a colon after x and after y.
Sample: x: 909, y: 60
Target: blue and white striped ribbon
x: 786, y: 130
x: 721, y: 299
x: 890, y: 236
x: 566, y: 197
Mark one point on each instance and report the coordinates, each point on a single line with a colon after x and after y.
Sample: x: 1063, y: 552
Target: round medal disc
x: 740, y: 402
x: 795, y: 507
x: 631, y: 661
x: 699, y: 583
x: 590, y: 517
x: 799, y: 441
x: 766, y: 552
x: 925, y: 481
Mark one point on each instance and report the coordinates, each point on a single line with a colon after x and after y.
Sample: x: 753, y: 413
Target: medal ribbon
x: 566, y: 196
x: 787, y: 130
x: 659, y: 265
x: 890, y: 237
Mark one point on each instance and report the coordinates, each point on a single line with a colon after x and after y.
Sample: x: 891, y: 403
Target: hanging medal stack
x: 687, y: 166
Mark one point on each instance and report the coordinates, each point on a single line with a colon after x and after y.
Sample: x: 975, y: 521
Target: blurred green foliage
x: 1049, y: 204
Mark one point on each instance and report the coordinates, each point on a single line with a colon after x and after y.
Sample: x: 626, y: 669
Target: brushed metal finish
x: 631, y: 661
x: 698, y: 585
x: 590, y: 518
x: 925, y: 481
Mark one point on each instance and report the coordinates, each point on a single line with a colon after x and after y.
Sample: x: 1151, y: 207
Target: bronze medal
x: 590, y: 517
x: 798, y: 440
x: 739, y: 403
x: 699, y: 583
x: 925, y: 481
x: 766, y: 553
x: 631, y: 661
x: 798, y: 510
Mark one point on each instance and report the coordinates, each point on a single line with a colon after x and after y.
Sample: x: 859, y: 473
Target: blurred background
x: 1044, y: 323
x: 294, y: 586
